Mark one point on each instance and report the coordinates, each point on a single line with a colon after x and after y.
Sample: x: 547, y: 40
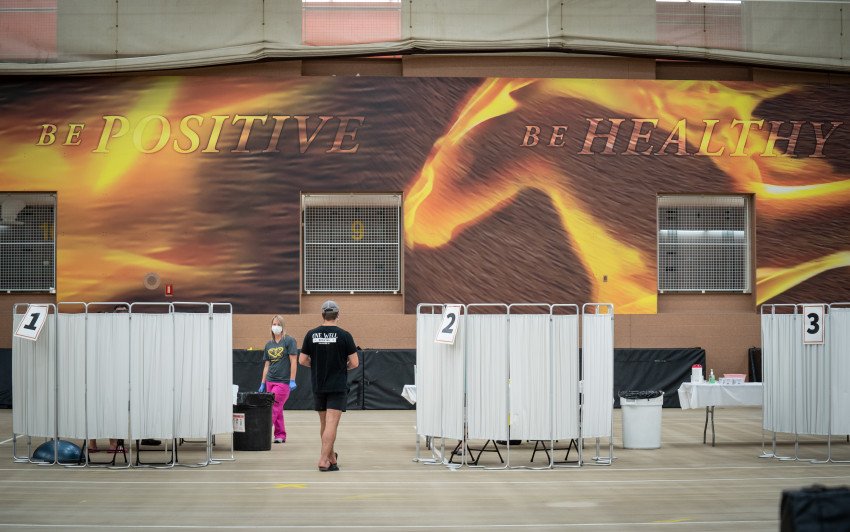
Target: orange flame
x: 138, y: 190
x: 439, y: 204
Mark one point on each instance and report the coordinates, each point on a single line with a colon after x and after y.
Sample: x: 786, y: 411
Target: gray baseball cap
x: 330, y: 306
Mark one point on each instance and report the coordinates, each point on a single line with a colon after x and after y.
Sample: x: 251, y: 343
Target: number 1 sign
x: 813, y: 324
x: 448, y: 328
x: 30, y: 326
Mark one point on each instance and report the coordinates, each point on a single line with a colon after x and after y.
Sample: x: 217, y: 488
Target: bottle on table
x: 711, y: 379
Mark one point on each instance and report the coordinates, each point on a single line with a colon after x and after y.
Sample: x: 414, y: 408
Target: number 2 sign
x: 30, y: 326
x: 449, y: 326
x: 813, y: 324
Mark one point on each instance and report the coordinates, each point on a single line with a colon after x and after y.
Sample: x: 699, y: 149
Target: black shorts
x: 332, y: 400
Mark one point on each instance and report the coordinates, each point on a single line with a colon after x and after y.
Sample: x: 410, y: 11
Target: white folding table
x: 723, y: 395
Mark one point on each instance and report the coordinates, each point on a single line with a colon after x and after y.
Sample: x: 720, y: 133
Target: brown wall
x: 375, y: 321
x: 724, y: 324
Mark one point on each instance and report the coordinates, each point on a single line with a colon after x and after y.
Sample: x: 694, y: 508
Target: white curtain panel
x: 487, y: 376
x: 531, y: 369
x: 839, y: 338
x: 222, y: 385
x: 769, y: 361
x: 33, y: 382
x: 598, y: 371
x: 192, y: 378
x: 152, y: 375
x: 108, y: 375
x: 812, y: 374
x: 439, y: 380
x: 565, y: 345
x: 782, y: 345
x: 72, y: 375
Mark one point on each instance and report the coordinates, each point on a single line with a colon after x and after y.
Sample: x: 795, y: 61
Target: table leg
x: 712, y: 426
x: 705, y: 427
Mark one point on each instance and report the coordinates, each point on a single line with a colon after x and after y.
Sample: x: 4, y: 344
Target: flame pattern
x: 224, y: 225
x: 783, y: 187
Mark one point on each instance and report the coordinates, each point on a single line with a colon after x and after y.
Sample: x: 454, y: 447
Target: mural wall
x: 515, y: 189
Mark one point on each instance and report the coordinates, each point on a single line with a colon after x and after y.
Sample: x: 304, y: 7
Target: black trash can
x: 257, y: 408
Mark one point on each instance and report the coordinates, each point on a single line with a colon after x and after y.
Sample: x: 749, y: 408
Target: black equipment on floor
x: 814, y: 509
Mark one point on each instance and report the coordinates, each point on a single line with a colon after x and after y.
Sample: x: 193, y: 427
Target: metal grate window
x: 352, y: 242
x: 701, y: 24
x: 345, y: 22
x: 27, y: 242
x: 703, y: 244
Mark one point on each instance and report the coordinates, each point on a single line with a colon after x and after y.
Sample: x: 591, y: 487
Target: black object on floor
x: 816, y: 508
x: 257, y: 408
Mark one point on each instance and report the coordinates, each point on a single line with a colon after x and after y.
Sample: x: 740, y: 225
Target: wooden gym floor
x: 685, y: 485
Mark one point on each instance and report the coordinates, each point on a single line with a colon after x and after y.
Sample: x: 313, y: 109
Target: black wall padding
x: 655, y: 369
x: 248, y: 370
x: 385, y: 372
x: 754, y: 364
x: 6, y: 378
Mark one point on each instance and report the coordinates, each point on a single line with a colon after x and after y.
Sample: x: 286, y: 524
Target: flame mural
x: 515, y: 189
x: 783, y: 186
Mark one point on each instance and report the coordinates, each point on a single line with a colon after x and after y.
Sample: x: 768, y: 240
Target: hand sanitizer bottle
x: 711, y: 379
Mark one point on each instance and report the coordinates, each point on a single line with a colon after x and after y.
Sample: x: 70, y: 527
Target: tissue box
x: 733, y: 378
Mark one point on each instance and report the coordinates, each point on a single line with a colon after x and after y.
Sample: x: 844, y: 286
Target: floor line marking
x: 406, y: 525
x: 421, y: 482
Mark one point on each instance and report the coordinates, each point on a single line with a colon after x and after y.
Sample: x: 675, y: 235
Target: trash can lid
x: 640, y: 394
x: 256, y: 398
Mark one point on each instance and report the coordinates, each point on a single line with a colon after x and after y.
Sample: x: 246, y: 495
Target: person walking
x: 331, y: 353
x: 280, y: 357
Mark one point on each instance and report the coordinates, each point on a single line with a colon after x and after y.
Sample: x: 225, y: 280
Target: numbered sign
x: 448, y: 328
x: 30, y: 326
x: 813, y: 324
x: 238, y: 422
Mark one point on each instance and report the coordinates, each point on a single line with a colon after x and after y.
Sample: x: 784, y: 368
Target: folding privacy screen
x: 513, y: 373
x: 806, y: 381
x: 161, y: 371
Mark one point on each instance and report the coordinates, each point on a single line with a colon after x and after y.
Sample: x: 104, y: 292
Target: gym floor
x: 684, y: 485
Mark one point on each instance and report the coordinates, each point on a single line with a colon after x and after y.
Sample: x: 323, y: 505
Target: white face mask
x: 277, y: 329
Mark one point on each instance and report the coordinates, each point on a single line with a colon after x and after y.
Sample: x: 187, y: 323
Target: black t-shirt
x: 328, y: 347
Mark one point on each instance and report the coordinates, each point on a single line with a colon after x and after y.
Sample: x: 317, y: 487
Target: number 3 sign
x: 813, y: 324
x: 448, y: 328
x: 30, y: 326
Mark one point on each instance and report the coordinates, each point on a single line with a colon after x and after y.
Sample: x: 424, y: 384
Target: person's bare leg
x: 322, y: 416
x: 329, y: 437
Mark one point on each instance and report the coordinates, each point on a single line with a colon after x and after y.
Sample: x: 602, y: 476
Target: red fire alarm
x: 169, y: 290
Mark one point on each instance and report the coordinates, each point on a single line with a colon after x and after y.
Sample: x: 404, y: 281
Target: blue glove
x: 292, y: 385
x: 262, y: 387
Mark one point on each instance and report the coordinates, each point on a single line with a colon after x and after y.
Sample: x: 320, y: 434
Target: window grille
x: 703, y: 244
x: 342, y: 22
x: 28, y: 242
x: 352, y: 242
x: 703, y: 25
x: 28, y: 30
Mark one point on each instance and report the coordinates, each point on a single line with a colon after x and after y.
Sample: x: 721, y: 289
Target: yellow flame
x: 438, y: 205
x: 99, y: 256
x: 774, y: 281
